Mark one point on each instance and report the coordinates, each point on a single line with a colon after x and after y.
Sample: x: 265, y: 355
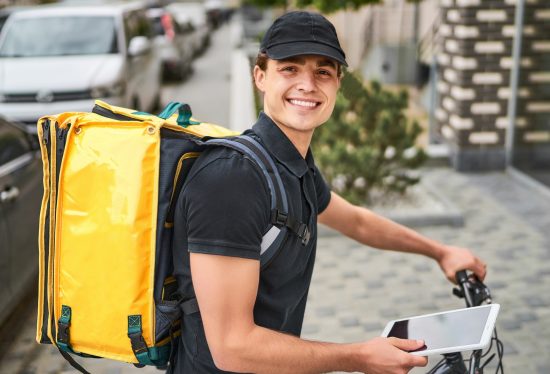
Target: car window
x: 158, y: 28
x: 13, y: 142
x: 59, y: 36
x: 3, y: 19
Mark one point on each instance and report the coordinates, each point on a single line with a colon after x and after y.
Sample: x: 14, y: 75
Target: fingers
x: 406, y: 344
x: 480, y: 269
x: 419, y: 361
x: 411, y: 345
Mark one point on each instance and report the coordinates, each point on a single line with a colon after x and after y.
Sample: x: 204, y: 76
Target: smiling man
x: 249, y: 320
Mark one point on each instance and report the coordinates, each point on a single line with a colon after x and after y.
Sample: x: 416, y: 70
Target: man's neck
x: 300, y: 139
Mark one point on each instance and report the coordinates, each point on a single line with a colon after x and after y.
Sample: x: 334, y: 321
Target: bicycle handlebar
x: 471, y: 289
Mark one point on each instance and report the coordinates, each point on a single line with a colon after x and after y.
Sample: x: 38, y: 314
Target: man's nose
x: 306, y: 82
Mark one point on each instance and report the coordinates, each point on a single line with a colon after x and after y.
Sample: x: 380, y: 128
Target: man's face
x: 299, y: 92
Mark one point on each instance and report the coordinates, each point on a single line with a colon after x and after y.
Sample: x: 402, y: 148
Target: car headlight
x: 117, y: 89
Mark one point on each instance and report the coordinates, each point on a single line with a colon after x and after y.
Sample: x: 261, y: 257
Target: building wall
x: 474, y: 71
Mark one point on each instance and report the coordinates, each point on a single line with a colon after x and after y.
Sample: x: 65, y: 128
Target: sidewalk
x: 355, y: 291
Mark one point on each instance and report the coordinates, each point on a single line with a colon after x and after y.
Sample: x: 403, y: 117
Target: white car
x: 61, y: 58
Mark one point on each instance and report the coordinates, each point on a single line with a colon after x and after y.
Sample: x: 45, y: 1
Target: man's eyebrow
x: 302, y: 61
x: 327, y: 62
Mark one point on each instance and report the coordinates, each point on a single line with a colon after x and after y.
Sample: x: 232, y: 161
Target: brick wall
x: 474, y: 71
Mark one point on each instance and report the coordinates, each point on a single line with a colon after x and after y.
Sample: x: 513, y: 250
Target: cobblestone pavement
x: 356, y: 290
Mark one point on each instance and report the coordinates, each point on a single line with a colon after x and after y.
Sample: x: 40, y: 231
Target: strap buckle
x: 278, y: 218
x: 138, y: 343
x: 305, y: 234
x: 63, y: 333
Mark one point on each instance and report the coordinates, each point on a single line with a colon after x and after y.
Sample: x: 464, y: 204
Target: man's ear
x: 259, y: 78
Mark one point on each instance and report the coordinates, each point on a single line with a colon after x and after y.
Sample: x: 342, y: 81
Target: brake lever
x: 472, y: 289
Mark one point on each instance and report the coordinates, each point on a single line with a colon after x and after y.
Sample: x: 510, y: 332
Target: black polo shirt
x: 224, y: 209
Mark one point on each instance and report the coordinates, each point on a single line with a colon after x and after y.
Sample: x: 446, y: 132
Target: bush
x: 368, y: 145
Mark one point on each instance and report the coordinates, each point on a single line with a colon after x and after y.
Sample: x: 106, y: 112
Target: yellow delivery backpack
x: 111, y: 178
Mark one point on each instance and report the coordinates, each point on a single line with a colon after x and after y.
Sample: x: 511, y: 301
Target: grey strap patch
x: 269, y: 238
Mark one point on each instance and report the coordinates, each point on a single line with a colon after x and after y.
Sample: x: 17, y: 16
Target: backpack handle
x: 184, y: 113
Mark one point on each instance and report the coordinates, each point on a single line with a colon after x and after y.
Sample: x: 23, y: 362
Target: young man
x: 250, y: 320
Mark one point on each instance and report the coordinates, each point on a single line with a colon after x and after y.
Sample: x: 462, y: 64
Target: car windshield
x: 59, y: 36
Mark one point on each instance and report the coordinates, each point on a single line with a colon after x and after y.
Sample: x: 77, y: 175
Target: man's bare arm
x: 373, y: 230
x: 226, y: 289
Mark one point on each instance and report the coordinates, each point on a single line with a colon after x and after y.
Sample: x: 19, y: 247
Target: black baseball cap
x: 302, y: 33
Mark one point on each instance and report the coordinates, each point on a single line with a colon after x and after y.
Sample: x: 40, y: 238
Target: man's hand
x: 454, y: 259
x: 390, y: 356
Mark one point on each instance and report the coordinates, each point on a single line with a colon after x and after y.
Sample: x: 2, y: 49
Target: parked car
x: 60, y: 58
x: 20, y: 200
x: 193, y: 14
x: 3, y: 17
x: 174, y: 43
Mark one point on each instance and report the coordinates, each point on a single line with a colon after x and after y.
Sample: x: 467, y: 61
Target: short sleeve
x: 322, y: 190
x: 226, y: 206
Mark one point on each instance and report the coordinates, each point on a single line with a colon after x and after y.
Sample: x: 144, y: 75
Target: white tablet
x: 446, y: 332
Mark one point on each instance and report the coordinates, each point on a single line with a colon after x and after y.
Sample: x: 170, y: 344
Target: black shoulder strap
x: 280, y: 219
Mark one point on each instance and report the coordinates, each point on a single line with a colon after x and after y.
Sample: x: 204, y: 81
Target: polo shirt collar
x: 280, y: 147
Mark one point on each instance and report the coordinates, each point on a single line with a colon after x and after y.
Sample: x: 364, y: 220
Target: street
x: 356, y: 290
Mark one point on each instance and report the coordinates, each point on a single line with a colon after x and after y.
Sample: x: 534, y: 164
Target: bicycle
x: 475, y: 293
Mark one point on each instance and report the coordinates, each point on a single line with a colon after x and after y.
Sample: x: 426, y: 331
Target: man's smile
x: 304, y: 103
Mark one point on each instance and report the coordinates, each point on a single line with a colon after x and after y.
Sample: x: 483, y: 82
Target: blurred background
x: 461, y: 90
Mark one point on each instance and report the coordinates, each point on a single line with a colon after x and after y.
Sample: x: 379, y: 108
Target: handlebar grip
x: 461, y: 276
x: 462, y: 280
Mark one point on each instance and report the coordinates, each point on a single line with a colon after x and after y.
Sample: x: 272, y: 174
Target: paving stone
x: 325, y: 312
x: 349, y: 322
x: 536, y: 301
x: 389, y: 313
x: 497, y: 285
x: 509, y: 324
x: 373, y: 326
x: 310, y: 329
x: 350, y: 274
x: 422, y: 268
x: 375, y: 284
x: 509, y: 349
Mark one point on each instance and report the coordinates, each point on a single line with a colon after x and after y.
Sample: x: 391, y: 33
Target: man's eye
x: 325, y: 72
x: 289, y: 68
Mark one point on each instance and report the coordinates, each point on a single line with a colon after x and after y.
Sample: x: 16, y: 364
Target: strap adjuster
x: 63, y: 333
x: 279, y: 218
x: 305, y: 234
x: 138, y: 343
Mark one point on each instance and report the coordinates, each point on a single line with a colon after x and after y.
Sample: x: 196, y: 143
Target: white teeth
x: 308, y: 104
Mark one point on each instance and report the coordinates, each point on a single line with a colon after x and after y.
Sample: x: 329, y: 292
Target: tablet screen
x: 456, y: 328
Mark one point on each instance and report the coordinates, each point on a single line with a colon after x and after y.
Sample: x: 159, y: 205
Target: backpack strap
x: 280, y: 220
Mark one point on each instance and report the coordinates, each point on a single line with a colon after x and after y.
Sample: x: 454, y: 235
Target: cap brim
x: 287, y: 50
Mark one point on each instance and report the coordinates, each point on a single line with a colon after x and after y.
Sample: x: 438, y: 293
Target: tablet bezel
x: 483, y: 342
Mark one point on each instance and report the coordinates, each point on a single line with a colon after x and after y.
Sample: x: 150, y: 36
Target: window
x: 60, y: 36
x: 13, y: 142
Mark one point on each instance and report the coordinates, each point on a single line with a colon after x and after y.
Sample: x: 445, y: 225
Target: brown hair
x: 262, y: 58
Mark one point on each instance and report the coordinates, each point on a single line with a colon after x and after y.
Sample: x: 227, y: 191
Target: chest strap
x: 300, y: 229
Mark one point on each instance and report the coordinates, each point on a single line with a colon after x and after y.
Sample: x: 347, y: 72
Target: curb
x: 447, y: 213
